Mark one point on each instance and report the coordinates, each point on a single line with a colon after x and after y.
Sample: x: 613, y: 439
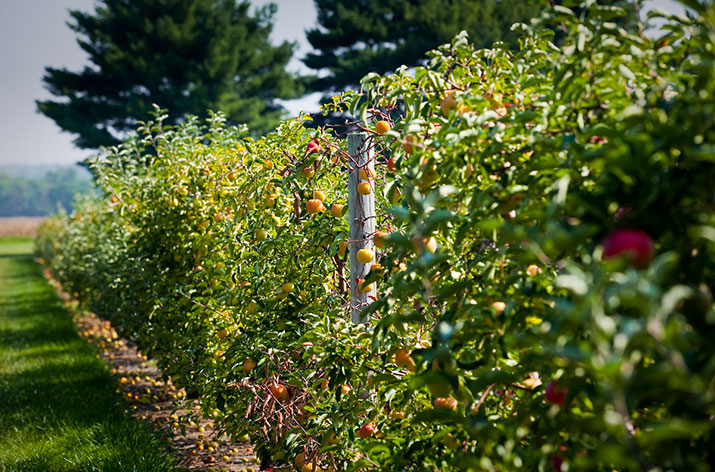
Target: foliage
x: 41, y: 196
x: 185, y: 55
x: 505, y: 335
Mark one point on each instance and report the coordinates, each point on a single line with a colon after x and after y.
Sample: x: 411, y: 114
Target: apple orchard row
x: 542, y: 259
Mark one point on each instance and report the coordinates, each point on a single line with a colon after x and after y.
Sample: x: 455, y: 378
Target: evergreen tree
x: 185, y: 55
x: 356, y: 37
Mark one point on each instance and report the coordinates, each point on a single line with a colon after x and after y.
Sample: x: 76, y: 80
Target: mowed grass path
x: 59, y: 409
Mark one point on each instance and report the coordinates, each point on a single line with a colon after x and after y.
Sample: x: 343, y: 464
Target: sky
x: 34, y: 34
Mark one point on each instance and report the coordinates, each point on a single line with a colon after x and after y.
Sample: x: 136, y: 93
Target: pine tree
x: 187, y: 56
x: 356, y: 37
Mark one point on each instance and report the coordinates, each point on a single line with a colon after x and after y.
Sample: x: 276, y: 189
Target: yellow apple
x: 364, y: 188
x: 336, y: 209
x: 382, y: 127
x: 365, y: 255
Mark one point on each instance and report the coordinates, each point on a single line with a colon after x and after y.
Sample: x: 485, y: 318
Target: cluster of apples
x: 634, y: 245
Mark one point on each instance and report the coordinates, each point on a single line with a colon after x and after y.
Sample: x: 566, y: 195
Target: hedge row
x: 544, y: 277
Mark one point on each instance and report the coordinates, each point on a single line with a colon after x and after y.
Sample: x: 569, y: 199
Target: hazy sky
x: 34, y: 34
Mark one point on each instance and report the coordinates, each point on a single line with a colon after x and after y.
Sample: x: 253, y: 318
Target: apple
x: 533, y: 270
x: 404, y: 359
x: 379, y: 239
x: 366, y: 173
x: 342, y: 248
x: 429, y: 175
x: 391, y: 164
x: 315, y: 206
x: 499, y: 307
x: 636, y: 245
x: 382, y: 127
x: 408, y: 144
x: 448, y: 103
x: 554, y: 394
x: 312, y: 147
x: 557, y: 461
x: 430, y: 244
x: 310, y: 468
x: 261, y: 234
x: 364, y: 288
x: 248, y: 366
x: 364, y: 188
x: 307, y: 172
x: 345, y: 389
x: 279, y: 391
x: 446, y: 403
x: 336, y: 209
x: 288, y: 287
x: 319, y: 195
x: 365, y: 255
x: 367, y: 430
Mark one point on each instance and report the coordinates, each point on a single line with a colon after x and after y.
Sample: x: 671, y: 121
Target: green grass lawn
x: 59, y: 409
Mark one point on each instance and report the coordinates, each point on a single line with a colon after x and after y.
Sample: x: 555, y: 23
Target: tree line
x: 41, y: 196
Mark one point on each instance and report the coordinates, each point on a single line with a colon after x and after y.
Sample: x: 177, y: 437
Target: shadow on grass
x: 59, y: 410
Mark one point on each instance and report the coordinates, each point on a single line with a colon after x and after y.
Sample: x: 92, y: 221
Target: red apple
x: 279, y: 391
x: 556, y: 395
x: 312, y: 147
x: 391, y: 164
x: 634, y: 244
x: 367, y: 430
x: 557, y: 461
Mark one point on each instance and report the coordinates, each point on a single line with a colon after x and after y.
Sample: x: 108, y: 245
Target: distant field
x: 20, y: 225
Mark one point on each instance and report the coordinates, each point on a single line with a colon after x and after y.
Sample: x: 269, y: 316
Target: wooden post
x: 362, y: 221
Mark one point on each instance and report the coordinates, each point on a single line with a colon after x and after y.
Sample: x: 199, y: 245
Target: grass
x: 59, y: 409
